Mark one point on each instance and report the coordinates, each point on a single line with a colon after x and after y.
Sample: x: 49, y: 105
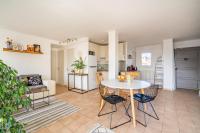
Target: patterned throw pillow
x: 34, y: 80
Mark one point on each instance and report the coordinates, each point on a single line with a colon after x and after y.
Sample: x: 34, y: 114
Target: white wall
x: 27, y: 63
x: 72, y: 52
x: 147, y: 72
x: 187, y: 43
x: 168, y: 65
x: 199, y: 72
x: 199, y: 65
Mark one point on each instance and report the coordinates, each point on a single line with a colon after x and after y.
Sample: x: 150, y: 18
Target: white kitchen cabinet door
x: 121, y: 52
x: 97, y: 51
x: 92, y: 47
x: 106, y: 52
x: 102, y: 51
x: 95, y: 48
x: 105, y: 75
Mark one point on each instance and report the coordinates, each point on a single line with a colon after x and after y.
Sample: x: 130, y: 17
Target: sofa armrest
x: 51, y: 86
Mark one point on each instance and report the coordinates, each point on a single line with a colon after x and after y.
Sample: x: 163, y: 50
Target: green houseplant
x: 79, y: 65
x: 12, y: 96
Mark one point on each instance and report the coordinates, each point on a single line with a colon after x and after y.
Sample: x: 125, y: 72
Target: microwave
x: 91, y: 52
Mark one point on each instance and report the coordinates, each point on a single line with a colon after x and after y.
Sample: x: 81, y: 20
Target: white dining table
x: 131, y: 86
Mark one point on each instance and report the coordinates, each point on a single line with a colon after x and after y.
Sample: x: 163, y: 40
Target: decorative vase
x: 76, y: 71
x: 81, y: 71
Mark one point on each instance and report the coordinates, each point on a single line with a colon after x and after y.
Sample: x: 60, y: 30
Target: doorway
x: 57, y: 64
x: 187, y: 62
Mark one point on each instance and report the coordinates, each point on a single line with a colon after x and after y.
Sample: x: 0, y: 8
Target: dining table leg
x: 133, y: 108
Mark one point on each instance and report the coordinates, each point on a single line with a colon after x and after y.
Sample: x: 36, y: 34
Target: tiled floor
x: 60, y: 89
x: 179, y: 112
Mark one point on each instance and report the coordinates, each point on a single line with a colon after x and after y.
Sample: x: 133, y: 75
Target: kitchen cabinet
x: 104, y: 74
x: 94, y: 47
x: 103, y: 53
x: 121, y: 51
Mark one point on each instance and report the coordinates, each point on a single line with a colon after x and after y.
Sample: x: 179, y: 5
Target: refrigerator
x: 92, y: 70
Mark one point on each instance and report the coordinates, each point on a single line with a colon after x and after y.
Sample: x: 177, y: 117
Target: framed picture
x: 146, y: 59
x: 30, y: 48
x: 36, y: 48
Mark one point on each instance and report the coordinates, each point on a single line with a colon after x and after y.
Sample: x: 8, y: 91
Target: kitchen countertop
x: 102, y: 70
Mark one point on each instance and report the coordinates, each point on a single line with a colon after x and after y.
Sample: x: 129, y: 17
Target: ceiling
x: 137, y: 21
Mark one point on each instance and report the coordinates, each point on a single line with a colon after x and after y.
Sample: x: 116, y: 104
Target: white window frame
x: 146, y: 58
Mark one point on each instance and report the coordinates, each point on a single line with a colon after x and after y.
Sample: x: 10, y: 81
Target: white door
x: 60, y: 67
x: 53, y: 64
x: 57, y: 66
x: 186, y: 61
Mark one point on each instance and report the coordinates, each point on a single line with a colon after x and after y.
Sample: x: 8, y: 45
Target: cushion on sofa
x: 37, y: 87
x: 34, y: 80
x: 23, y: 79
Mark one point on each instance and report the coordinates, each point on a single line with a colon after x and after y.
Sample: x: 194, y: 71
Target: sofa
x: 35, y: 81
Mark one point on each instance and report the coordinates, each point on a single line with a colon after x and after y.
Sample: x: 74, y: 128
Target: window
x: 146, y: 59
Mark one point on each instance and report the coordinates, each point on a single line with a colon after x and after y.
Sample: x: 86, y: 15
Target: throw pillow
x: 23, y: 79
x: 34, y: 80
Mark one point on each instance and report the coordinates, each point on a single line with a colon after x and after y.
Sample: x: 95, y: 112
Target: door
x: 53, y: 65
x: 60, y: 67
x: 186, y: 61
x: 57, y: 66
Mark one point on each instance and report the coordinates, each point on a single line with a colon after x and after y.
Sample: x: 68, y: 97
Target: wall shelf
x: 19, y: 51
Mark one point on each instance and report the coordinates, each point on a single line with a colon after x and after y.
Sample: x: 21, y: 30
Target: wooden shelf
x: 18, y: 51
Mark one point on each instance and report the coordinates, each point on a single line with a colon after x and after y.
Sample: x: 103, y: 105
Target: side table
x: 33, y: 91
x: 77, y: 90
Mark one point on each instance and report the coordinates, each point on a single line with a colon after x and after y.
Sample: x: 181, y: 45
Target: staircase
x: 158, y: 73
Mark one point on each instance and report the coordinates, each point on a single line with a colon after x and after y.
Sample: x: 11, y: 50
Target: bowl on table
x: 121, y: 78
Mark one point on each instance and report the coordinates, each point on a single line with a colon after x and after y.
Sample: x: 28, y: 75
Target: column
x: 168, y: 65
x: 112, y: 54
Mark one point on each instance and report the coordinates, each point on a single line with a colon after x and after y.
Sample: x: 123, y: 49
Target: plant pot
x: 79, y: 71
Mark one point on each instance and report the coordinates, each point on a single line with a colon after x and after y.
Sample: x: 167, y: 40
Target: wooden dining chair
x: 134, y: 75
x: 99, y: 78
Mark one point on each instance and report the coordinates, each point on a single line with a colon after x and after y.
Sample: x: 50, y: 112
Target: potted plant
x: 79, y: 65
x: 12, y: 96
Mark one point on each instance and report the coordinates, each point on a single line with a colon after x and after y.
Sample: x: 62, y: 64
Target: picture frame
x: 36, y: 48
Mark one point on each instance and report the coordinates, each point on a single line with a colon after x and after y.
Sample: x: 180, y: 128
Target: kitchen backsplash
x: 102, y: 67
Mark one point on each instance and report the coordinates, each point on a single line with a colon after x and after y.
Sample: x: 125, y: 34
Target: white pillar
x: 113, y: 54
x: 168, y: 65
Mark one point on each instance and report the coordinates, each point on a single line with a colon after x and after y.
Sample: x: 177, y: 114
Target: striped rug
x: 43, y: 116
